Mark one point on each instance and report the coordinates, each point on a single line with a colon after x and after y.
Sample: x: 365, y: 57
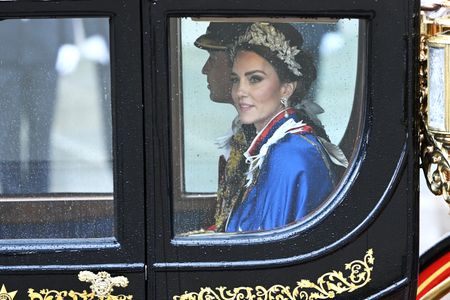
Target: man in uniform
x: 218, y: 41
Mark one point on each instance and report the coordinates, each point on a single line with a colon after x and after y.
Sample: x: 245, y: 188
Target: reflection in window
x: 226, y: 150
x: 56, y: 176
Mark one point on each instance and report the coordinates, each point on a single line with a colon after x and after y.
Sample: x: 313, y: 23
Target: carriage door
x: 71, y: 157
x: 359, y: 240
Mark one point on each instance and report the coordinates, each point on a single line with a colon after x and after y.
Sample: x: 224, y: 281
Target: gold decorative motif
x: 434, y: 146
x: 102, y: 282
x: 327, y: 286
x: 265, y: 34
x: 4, y: 295
x: 46, y: 294
x: 101, y: 288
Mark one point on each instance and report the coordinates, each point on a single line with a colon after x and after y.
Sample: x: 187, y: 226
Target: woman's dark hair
x: 285, y: 75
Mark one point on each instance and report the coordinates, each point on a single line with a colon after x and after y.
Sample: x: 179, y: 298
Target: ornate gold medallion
x: 102, y: 282
x: 4, y: 295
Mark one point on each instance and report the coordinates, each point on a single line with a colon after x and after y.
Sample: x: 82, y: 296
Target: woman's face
x: 256, y: 89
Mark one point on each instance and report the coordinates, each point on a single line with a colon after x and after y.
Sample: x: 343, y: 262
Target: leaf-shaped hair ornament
x: 265, y: 34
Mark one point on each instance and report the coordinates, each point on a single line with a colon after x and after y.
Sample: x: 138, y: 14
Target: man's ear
x: 288, y: 88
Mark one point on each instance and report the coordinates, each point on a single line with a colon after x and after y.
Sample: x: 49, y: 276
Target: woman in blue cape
x: 290, y: 161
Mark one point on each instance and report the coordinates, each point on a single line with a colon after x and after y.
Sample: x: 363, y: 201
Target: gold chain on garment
x: 232, y: 181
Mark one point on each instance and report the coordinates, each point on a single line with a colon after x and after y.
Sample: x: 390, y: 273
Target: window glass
x: 56, y: 177
x: 267, y: 117
x: 437, y: 80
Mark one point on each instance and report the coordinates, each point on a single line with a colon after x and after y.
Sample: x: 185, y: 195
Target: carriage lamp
x: 434, y: 82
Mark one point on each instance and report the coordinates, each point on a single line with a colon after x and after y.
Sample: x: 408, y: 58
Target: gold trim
x: 327, y: 286
x: 439, y: 291
x: 46, y: 294
x: 102, y: 285
x: 433, y: 276
x: 5, y: 295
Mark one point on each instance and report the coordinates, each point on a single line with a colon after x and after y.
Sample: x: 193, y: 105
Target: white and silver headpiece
x: 265, y: 34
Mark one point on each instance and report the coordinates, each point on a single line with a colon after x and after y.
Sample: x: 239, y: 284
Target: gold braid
x: 232, y: 182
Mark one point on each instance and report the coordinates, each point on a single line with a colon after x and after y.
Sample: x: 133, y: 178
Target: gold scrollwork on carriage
x: 46, y: 294
x: 434, y: 121
x: 326, y: 286
x: 102, y: 285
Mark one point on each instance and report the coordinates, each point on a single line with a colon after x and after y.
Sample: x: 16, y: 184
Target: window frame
x: 281, y: 247
x: 127, y: 247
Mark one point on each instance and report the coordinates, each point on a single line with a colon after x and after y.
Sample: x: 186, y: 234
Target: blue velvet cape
x: 293, y: 180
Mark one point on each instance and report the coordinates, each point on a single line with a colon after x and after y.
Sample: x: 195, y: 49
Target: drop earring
x: 284, y: 102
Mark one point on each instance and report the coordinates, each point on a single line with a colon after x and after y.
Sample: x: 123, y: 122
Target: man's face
x: 217, y: 70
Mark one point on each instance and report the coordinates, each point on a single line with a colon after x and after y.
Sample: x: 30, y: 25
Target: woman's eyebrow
x: 254, y: 71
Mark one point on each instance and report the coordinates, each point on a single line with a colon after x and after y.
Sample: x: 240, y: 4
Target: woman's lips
x: 245, y: 107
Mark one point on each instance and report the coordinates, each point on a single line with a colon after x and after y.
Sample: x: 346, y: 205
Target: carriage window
x: 56, y: 129
x: 267, y: 116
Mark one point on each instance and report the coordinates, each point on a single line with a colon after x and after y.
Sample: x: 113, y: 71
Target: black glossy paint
x: 377, y: 208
